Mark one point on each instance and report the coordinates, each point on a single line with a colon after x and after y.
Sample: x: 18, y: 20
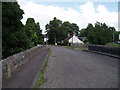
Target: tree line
x: 100, y: 33
x: 57, y: 30
x: 17, y: 37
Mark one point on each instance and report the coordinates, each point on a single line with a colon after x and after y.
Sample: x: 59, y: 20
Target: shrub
x: 65, y: 42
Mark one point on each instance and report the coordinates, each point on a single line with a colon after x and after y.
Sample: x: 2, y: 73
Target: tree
x: 64, y: 30
x: 33, y: 32
x: 58, y: 31
x: 53, y: 30
x: 39, y: 34
x: 83, y: 33
x: 30, y: 30
x: 90, y: 33
x: 14, y: 38
x: 74, y: 28
x: 99, y: 34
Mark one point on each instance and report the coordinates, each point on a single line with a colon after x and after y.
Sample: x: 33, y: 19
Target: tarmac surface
x: 69, y: 68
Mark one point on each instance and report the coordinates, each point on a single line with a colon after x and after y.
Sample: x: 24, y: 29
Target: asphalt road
x: 25, y: 77
x: 79, y: 69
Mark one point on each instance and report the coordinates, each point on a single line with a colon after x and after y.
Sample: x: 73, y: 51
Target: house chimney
x: 74, y: 33
x: 68, y: 34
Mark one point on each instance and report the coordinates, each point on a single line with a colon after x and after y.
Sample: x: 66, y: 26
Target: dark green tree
x: 53, y: 30
x: 33, y: 32
x: 64, y: 30
x: 39, y: 34
x: 99, y: 34
x: 14, y: 38
x: 58, y: 31
x: 74, y: 28
x: 30, y: 30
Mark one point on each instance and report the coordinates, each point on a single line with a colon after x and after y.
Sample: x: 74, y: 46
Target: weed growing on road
x: 41, y: 78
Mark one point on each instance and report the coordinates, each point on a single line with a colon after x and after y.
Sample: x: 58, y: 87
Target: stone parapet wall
x: 14, y: 62
x: 105, y: 49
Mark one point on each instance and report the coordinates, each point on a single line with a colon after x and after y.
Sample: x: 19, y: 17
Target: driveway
x: 69, y: 68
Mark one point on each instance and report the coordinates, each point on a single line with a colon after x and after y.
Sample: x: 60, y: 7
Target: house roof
x: 75, y: 39
x: 68, y: 37
x: 82, y: 38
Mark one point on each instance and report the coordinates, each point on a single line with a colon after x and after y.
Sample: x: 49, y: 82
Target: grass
x: 41, y: 78
x: 69, y: 47
x: 113, y: 45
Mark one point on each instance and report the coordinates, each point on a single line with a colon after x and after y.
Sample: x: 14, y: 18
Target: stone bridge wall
x: 14, y: 62
x: 105, y: 49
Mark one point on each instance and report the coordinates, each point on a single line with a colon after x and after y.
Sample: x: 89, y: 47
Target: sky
x: 80, y: 13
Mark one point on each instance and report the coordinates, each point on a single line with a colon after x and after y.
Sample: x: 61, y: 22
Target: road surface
x: 69, y: 68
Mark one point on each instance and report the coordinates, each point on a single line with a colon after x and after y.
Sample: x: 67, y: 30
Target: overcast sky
x: 80, y: 13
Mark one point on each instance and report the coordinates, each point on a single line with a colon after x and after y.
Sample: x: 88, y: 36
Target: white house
x: 74, y: 40
x: 45, y: 39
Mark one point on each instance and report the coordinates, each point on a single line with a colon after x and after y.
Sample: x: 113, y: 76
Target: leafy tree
x: 33, y: 32
x: 83, y: 33
x: 65, y: 42
x: 74, y: 28
x: 68, y: 27
x: 99, y: 34
x: 114, y: 33
x: 64, y: 30
x: 53, y: 30
x: 90, y: 33
x: 58, y: 31
x: 14, y: 38
x: 39, y: 34
x: 30, y: 30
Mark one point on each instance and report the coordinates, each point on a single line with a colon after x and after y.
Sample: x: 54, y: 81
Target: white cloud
x: 87, y: 13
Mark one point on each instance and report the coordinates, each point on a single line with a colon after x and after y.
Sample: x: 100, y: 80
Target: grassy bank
x: 41, y: 78
x: 113, y: 45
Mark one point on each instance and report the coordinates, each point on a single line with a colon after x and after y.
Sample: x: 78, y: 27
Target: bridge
x: 67, y: 68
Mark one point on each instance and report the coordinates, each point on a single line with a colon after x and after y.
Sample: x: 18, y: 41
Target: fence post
x: 8, y: 71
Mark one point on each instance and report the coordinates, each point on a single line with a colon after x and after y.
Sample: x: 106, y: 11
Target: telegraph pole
x: 119, y: 36
x: 55, y: 39
x: 72, y: 40
x: 113, y: 35
x: 72, y: 37
x: 47, y: 40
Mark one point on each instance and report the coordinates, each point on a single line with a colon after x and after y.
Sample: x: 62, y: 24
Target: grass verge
x: 69, y: 47
x: 41, y: 78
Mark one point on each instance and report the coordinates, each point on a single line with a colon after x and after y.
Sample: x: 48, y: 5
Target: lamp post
x: 47, y: 40
x: 72, y: 40
x: 112, y: 29
x: 113, y: 35
x: 119, y: 36
x: 54, y: 38
x: 47, y: 36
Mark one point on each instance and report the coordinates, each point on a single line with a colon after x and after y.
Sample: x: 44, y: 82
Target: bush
x: 65, y: 42
x: 59, y: 43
